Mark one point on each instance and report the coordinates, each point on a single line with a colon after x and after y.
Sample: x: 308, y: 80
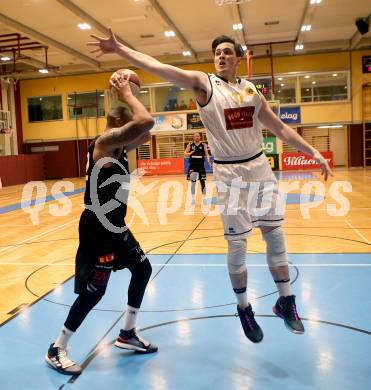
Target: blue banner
x: 290, y: 114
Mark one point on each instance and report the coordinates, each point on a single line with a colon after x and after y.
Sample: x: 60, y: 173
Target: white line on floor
x: 358, y: 232
x: 21, y: 243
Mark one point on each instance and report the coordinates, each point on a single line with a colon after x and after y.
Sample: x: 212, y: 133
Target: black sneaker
x: 252, y: 330
x: 57, y: 358
x: 129, y: 339
x: 285, y: 308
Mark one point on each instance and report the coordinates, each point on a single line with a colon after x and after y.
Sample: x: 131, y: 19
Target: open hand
x: 325, y: 168
x: 104, y: 45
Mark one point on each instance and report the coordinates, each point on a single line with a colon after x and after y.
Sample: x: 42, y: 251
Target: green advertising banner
x: 274, y: 161
x: 270, y: 145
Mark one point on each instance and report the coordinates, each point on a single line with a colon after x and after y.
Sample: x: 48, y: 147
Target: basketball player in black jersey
x: 197, y: 151
x: 100, y: 249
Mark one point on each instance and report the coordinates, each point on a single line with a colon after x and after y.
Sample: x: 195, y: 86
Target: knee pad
x: 90, y: 298
x: 141, y: 271
x: 146, y: 269
x: 276, y: 248
x: 236, y: 256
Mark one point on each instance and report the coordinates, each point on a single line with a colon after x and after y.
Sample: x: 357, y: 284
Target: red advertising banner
x: 298, y: 161
x: 162, y: 166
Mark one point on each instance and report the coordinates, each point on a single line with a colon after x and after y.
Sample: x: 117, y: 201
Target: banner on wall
x: 170, y: 122
x: 290, y: 114
x: 270, y: 145
x: 162, y: 166
x: 274, y: 161
x: 194, y: 121
x: 299, y: 161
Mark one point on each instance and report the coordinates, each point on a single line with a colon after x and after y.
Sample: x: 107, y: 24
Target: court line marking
x: 21, y: 243
x: 357, y: 231
x: 202, y: 265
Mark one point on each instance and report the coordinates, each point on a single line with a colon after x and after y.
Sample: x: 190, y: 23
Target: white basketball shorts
x: 248, y: 196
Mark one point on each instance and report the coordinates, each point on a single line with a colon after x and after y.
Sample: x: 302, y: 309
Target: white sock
x: 130, y: 317
x: 63, y: 338
x: 284, y: 287
x: 241, y: 296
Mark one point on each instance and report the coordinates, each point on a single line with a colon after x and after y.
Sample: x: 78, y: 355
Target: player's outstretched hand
x: 325, y: 168
x: 104, y: 45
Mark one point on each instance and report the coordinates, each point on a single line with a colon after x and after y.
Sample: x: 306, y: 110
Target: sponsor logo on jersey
x: 239, y: 118
x: 249, y: 91
x: 106, y: 258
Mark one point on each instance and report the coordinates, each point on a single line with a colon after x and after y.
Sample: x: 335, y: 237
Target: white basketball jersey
x: 231, y: 119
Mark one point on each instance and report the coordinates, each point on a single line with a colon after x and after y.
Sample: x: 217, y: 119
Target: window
x: 173, y: 98
x: 144, y: 98
x: 85, y: 104
x: 44, y: 108
x: 285, y: 89
x: 324, y: 87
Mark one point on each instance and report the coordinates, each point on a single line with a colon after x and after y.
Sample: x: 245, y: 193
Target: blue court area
x: 189, y: 312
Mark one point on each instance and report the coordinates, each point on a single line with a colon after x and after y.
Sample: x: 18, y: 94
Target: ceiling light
x: 84, y: 26
x: 280, y: 78
x: 307, y: 77
x: 315, y: 1
x: 169, y: 33
x: 237, y: 26
x: 314, y: 82
x: 244, y: 47
x: 282, y: 85
x: 335, y: 74
x: 144, y: 91
x: 307, y: 89
x: 44, y: 70
x: 306, y: 27
x: 41, y: 98
x: 186, y: 53
x: 102, y: 95
x: 5, y: 58
x: 299, y: 47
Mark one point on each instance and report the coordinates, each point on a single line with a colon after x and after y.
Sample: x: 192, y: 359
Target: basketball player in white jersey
x: 234, y: 114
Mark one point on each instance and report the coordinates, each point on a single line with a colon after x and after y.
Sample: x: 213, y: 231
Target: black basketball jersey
x: 198, y: 157
x: 112, y: 184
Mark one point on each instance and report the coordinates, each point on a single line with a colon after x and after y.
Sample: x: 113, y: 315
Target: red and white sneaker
x: 129, y: 339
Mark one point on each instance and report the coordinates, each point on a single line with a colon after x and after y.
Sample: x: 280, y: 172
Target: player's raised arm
x: 187, y: 79
x: 271, y: 121
x: 140, y: 124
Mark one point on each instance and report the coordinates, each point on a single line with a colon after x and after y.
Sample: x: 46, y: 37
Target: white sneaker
x: 57, y: 358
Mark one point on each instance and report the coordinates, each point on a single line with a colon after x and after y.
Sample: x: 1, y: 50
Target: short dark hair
x: 224, y: 38
x: 118, y: 112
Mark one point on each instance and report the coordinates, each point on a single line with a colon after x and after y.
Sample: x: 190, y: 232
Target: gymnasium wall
x: 311, y: 113
x: 21, y: 169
